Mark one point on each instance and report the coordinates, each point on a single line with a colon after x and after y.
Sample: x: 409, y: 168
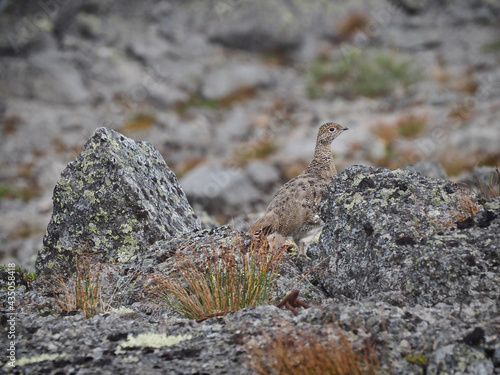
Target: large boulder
x: 116, y: 199
x: 269, y: 26
x: 406, y: 238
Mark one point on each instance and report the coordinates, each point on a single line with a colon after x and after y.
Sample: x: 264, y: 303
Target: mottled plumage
x: 294, y: 209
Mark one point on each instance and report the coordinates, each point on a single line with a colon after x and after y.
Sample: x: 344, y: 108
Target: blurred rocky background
x: 232, y: 92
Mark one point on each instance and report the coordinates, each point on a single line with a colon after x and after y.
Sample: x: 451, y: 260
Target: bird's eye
x: 332, y: 129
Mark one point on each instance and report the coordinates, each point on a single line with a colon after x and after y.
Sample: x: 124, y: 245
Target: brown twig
x: 291, y: 302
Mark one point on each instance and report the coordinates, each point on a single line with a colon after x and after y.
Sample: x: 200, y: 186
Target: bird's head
x: 329, y: 131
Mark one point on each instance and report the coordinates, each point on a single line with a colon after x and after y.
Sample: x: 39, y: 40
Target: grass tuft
x: 219, y: 280
x: 92, y: 288
x: 491, y: 189
x: 83, y: 291
x: 305, y: 351
x: 468, y: 206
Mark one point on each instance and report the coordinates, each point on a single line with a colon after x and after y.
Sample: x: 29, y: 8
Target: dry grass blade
x: 227, y: 279
x: 305, y: 351
x: 91, y: 289
x: 83, y: 291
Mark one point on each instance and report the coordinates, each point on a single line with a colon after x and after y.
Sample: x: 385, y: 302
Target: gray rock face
x: 257, y: 26
x: 45, y: 77
x: 400, y: 236
x: 117, y: 198
x: 219, y: 190
x: 459, y: 359
x: 224, y: 81
x: 429, y: 168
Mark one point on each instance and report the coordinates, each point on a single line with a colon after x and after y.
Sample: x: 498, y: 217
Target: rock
x: 459, y: 359
x: 496, y: 357
x: 89, y: 25
x: 399, y: 236
x: 264, y: 175
x: 44, y: 77
x: 219, y: 190
x: 117, y: 198
x: 226, y: 80
x: 429, y: 168
x: 270, y: 26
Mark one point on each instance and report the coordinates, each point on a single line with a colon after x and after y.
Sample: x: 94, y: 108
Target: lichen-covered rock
x: 459, y: 359
x: 116, y: 199
x: 400, y: 236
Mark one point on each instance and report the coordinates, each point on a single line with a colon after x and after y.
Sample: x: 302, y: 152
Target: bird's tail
x: 263, y: 226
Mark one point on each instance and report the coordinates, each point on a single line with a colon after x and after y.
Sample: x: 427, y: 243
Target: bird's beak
x: 345, y: 128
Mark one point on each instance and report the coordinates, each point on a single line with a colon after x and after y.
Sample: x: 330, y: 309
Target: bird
x: 293, y: 211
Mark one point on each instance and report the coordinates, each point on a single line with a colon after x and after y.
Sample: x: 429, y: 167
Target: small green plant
x: 219, y: 280
x: 22, y: 276
x: 10, y: 192
x: 357, y: 73
x: 419, y: 359
x: 493, y: 46
x: 307, y: 351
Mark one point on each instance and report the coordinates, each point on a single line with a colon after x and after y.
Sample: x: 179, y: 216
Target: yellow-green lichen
x: 93, y: 228
x: 90, y: 196
x: 153, y: 340
x: 37, y: 358
x: 356, y: 199
x: 126, y: 228
x: 125, y: 253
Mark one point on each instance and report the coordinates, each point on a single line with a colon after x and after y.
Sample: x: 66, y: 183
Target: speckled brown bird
x: 293, y: 212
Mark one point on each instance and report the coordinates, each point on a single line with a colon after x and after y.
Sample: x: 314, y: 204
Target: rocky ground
x: 406, y: 265
x: 229, y: 96
x: 232, y: 92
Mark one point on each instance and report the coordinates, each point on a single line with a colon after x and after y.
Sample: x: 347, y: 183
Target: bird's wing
x: 297, y: 203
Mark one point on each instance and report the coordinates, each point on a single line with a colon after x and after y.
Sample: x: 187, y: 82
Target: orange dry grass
x: 467, y: 204
x: 352, y: 23
x: 219, y: 280
x: 306, y: 351
x: 83, y: 291
x: 260, y: 148
x: 406, y: 126
x: 92, y: 289
x: 141, y: 121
